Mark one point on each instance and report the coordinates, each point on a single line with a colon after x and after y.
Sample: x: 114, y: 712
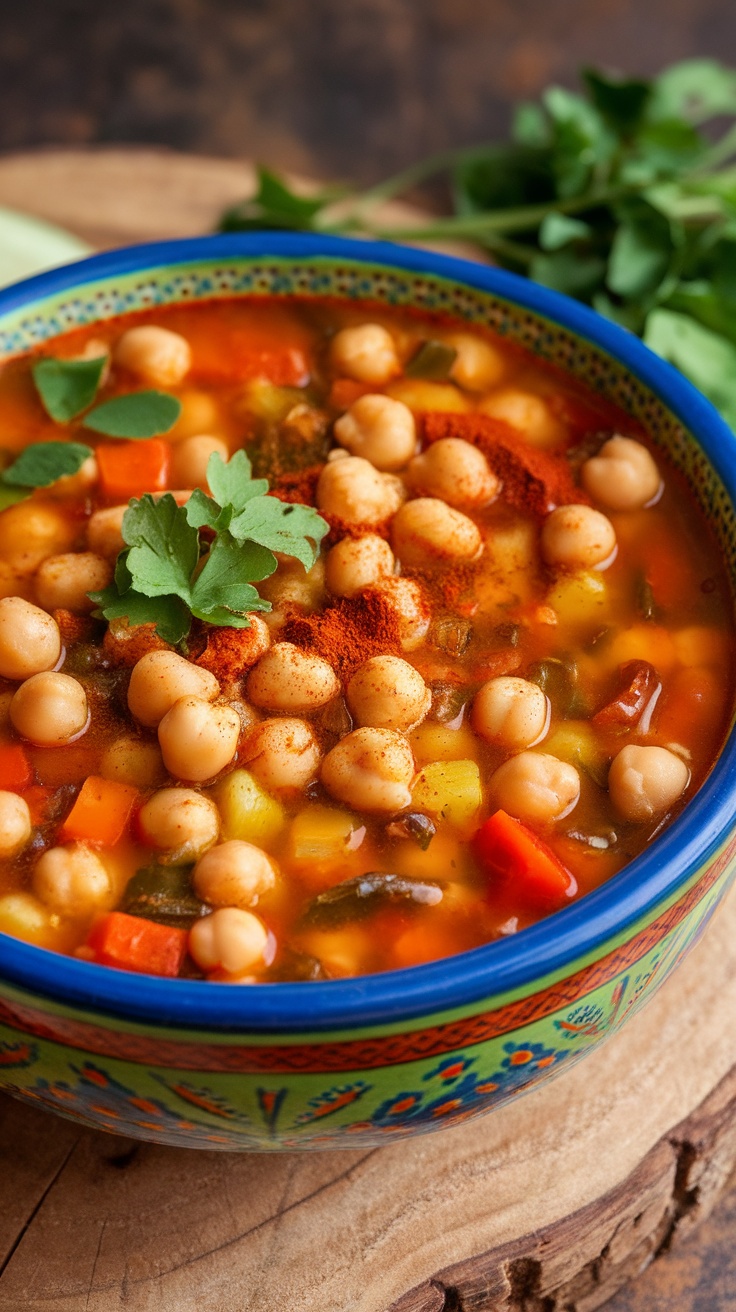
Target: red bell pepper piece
x: 520, y: 863
x: 132, y: 943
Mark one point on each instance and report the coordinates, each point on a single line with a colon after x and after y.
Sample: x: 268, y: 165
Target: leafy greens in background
x: 169, y: 574
x: 623, y: 196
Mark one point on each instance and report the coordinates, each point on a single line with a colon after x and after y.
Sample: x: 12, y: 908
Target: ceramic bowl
x: 354, y: 1061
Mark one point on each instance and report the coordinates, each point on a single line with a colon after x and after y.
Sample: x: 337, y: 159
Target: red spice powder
x: 349, y: 632
x: 532, y: 480
x: 228, y: 653
x: 297, y: 485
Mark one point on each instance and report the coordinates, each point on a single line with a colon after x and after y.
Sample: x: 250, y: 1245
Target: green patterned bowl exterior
x: 69, y: 1043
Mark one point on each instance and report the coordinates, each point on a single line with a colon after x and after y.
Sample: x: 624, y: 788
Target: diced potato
x: 580, y: 599
x: 642, y: 642
x: 436, y: 742
x: 134, y: 761
x: 513, y: 550
x: 322, y: 833
x: 420, y: 394
x: 701, y: 644
x: 267, y: 401
x: 23, y: 916
x: 575, y: 741
x: 247, y: 811
x: 450, y: 790
x: 340, y: 951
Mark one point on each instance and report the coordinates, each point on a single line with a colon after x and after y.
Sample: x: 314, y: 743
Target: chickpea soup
x: 333, y: 640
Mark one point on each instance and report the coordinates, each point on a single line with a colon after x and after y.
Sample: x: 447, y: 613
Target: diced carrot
x: 284, y: 366
x: 128, y: 469
x: 519, y: 862
x: 346, y: 390
x: 16, y: 771
x: 100, y: 813
x: 132, y: 943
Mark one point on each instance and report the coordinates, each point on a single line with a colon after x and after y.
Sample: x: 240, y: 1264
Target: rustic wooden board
x: 548, y: 1204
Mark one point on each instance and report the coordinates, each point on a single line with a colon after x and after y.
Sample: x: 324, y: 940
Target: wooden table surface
x: 75, y: 1201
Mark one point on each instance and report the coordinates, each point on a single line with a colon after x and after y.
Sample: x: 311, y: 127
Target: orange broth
x: 664, y: 600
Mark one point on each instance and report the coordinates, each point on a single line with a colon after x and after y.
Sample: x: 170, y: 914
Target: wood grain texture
x: 544, y: 1206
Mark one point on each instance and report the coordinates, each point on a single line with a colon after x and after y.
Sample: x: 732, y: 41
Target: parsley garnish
x: 41, y: 463
x: 170, y: 573
x: 623, y: 196
x: 68, y: 387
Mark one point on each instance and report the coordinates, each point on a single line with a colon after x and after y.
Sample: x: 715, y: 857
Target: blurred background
x: 332, y: 88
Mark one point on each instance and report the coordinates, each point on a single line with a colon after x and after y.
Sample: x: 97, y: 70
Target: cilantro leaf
x: 230, y: 482
x: 251, y: 516
x: 120, y: 600
x: 284, y: 526
x: 221, y: 592
x: 67, y: 387
x: 170, y: 614
x: 163, y: 546
x: 277, y: 205
x: 42, y: 463
x: 135, y: 415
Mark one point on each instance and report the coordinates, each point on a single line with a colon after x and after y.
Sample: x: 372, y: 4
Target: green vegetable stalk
x: 623, y: 196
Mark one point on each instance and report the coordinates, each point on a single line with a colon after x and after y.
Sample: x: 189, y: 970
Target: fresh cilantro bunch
x: 201, y: 560
x: 623, y: 196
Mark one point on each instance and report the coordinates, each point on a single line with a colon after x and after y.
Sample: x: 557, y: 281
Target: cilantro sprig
x: 67, y: 388
x: 623, y: 196
x: 201, y: 560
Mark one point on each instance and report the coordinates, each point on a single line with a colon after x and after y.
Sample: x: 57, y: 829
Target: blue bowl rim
x: 516, y: 962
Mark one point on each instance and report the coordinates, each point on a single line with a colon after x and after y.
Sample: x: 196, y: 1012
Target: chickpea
x: 179, y: 822
x: 29, y: 639
x: 75, y: 485
x: 72, y: 881
x: 578, y: 538
x: 353, y: 490
x: 428, y: 532
x: 535, y: 786
x: 388, y: 693
x: 478, y: 365
x: 233, y: 874
x: 379, y: 429
x: 365, y: 353
x: 455, y: 471
x: 133, y: 761
x: 283, y: 754
x: 370, y: 769
x: 623, y: 476
x: 527, y: 412
x: 293, y: 585
x: 105, y: 531
x: 410, y: 606
x: 230, y: 940
x: 288, y: 679
x: 644, y: 782
x: 13, y: 583
x: 15, y: 824
x: 156, y: 354
x: 189, y: 460
x: 30, y: 531
x: 510, y: 712
x: 356, y: 563
x: 198, y: 740
x: 50, y: 709
x: 62, y: 582
x: 159, y: 679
